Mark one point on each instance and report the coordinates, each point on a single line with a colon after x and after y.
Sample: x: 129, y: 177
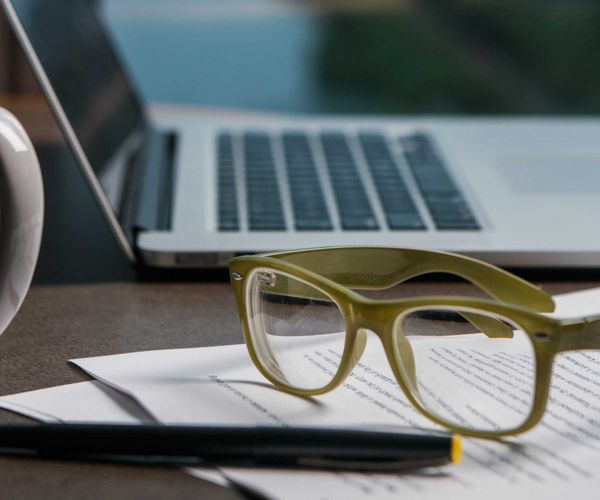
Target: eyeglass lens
x: 298, y: 331
x: 471, y: 369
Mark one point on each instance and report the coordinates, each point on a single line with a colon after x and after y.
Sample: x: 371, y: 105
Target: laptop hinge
x: 149, y: 200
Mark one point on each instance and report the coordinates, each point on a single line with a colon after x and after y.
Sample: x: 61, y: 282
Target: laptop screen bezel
x: 134, y: 141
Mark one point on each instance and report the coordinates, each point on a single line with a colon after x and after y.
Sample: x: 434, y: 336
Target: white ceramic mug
x: 21, y: 215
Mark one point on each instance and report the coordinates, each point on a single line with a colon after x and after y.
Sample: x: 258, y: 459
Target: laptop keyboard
x: 334, y: 180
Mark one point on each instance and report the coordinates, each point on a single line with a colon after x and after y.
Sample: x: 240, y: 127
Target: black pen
x: 246, y: 446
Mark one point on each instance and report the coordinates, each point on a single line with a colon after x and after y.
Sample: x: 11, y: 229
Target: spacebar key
x: 409, y: 220
x: 313, y: 224
x: 359, y: 223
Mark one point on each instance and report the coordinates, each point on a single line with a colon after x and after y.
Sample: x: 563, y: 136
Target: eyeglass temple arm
x: 580, y: 334
x: 375, y: 268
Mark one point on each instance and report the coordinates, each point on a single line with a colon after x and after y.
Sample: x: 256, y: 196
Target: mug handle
x: 21, y: 215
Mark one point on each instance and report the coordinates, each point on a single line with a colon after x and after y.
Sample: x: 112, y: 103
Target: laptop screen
x: 84, y: 74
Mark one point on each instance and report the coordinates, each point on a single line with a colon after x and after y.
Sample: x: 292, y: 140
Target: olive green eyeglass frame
x: 338, y: 271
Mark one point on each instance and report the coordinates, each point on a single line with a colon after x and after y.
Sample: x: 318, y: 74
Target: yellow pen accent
x: 456, y: 449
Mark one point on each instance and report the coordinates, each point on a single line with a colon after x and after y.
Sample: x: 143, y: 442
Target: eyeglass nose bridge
x: 374, y: 317
x: 364, y: 318
x: 380, y: 319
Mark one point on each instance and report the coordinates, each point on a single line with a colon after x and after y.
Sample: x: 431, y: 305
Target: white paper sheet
x: 219, y: 385
x: 576, y: 304
x: 81, y: 402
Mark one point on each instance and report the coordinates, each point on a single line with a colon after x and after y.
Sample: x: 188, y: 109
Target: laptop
x: 181, y: 189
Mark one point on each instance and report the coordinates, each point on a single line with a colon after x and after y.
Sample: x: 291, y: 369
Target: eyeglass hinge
x: 542, y: 337
x: 266, y: 278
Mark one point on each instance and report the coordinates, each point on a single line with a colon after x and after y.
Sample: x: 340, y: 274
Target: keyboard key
x: 447, y: 205
x: 396, y: 201
x: 404, y: 220
x: 265, y: 225
x: 313, y: 224
x: 351, y: 198
x: 226, y: 224
x: 357, y: 222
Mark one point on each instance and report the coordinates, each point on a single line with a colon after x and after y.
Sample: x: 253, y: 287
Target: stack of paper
x: 219, y: 385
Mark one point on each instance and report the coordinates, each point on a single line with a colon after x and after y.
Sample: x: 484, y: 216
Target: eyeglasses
x: 476, y: 366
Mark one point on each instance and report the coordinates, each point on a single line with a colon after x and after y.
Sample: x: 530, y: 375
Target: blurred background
x: 378, y: 56
x: 338, y: 56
